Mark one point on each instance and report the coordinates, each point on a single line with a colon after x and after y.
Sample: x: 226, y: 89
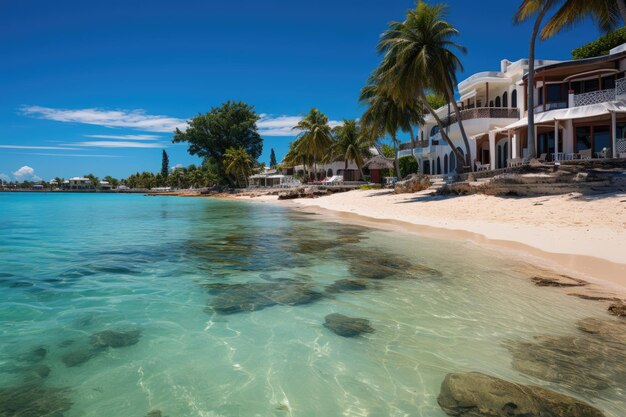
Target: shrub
x: 408, y: 165
x: 601, y: 46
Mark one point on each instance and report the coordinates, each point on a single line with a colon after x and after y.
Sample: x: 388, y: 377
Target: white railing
x: 620, y: 87
x: 594, y: 97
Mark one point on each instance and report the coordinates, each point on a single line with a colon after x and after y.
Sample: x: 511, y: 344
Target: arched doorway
x: 502, y: 153
x: 426, y: 166
x: 498, y: 104
x: 505, y: 99
x: 445, y: 164
x: 329, y: 173
x: 514, y: 98
x: 452, y: 162
x: 438, y: 166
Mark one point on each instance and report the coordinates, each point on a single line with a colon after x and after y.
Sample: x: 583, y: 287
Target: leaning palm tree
x: 238, y: 163
x: 419, y: 57
x: 385, y: 116
x: 351, y: 145
x: 606, y: 13
x: 315, y: 138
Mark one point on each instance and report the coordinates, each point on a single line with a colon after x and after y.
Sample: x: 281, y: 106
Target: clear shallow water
x: 74, y: 265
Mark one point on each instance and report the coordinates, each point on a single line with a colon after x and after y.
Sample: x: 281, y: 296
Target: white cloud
x: 50, y: 148
x: 26, y: 173
x: 119, y: 144
x: 133, y: 119
x: 124, y: 137
x: 81, y: 155
x: 282, y: 125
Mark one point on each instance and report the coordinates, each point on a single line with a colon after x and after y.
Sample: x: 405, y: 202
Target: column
x: 514, y: 146
x: 556, y: 141
x: 614, y: 134
x: 492, y: 150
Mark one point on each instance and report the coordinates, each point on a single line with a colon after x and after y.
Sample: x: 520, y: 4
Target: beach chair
x: 334, y: 180
x: 481, y: 167
x: 584, y: 154
x: 542, y: 157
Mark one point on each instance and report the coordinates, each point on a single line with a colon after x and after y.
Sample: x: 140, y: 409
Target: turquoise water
x: 73, y: 265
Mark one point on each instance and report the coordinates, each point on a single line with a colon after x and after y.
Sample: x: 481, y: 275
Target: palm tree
x: 238, y: 163
x: 527, y: 9
x: 315, y: 138
x: 606, y: 13
x: 419, y: 58
x: 351, y: 145
x: 385, y: 116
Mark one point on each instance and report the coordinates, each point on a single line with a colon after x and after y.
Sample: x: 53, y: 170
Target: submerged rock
x: 154, y: 413
x: 474, y: 394
x: 558, y: 281
x: 35, y: 355
x: 588, y: 362
x: 378, y: 267
x: 618, y: 309
x: 347, y: 326
x: 34, y: 400
x: 115, y: 338
x: 79, y: 356
x: 38, y: 371
x: 235, y: 298
x: 347, y: 285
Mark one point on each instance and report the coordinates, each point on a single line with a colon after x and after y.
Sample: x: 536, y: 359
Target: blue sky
x: 98, y: 86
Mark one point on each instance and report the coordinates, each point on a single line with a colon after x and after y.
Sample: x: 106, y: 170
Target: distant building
x: 104, y: 185
x: 79, y: 183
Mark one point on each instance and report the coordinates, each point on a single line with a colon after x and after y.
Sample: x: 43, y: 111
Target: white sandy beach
x: 583, y: 234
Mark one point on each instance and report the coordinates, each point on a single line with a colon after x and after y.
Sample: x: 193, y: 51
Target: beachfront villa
x: 338, y: 167
x: 79, y: 183
x: 269, y: 178
x: 580, y: 113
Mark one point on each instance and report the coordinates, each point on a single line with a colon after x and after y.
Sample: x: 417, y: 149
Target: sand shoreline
x: 594, y: 250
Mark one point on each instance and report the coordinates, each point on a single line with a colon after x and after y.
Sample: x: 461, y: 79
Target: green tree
x: 419, y: 58
x: 93, y: 180
x: 113, y: 181
x: 351, y: 145
x: 408, y: 166
x: 165, y: 164
x: 607, y: 14
x: 233, y: 125
x: 315, y: 137
x: 436, y: 100
x: 273, y: 162
x: 238, y: 163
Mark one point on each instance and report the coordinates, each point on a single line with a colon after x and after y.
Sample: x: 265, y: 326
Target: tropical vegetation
x: 238, y: 164
x: 601, y: 46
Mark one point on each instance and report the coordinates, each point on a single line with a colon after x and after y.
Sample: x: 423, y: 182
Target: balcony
x: 586, y: 99
x: 483, y: 113
x: 418, y: 144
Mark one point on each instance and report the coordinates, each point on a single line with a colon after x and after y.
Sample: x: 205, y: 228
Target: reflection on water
x: 135, y: 306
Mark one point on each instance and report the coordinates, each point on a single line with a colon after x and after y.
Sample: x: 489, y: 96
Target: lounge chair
x: 481, y: 167
x: 584, y: 154
x: 334, y: 180
x: 542, y: 157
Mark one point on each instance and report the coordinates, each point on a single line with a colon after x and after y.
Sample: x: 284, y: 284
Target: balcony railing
x: 483, y: 113
x: 409, y: 145
x: 594, y: 97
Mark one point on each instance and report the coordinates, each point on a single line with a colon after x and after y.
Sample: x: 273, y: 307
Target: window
x: 577, y: 86
x: 540, y: 95
x: 514, y: 98
x: 601, y: 138
x: 608, y: 82
x: 498, y: 104
x: 554, y: 93
x: 591, y: 85
x: 491, y: 103
x: 434, y: 131
x: 583, y: 138
x: 505, y: 99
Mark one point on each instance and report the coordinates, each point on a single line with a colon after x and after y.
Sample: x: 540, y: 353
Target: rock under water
x: 115, y: 338
x: 347, y: 326
x: 34, y: 400
x: 474, y: 394
x: 590, y: 361
x: 235, y: 298
x: 347, y: 285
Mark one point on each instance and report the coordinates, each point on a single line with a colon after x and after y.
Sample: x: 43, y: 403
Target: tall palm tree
x: 385, y: 116
x: 351, y: 145
x: 606, y: 13
x: 315, y: 138
x: 419, y: 57
x: 238, y: 163
x: 527, y: 9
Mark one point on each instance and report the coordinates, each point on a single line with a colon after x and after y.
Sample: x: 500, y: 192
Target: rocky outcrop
x: 303, y: 192
x: 412, y: 184
x: 474, y: 394
x: 558, y: 281
x: 618, y: 309
x: 347, y: 326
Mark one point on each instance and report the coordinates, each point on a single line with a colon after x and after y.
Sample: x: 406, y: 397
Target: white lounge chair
x: 481, y: 167
x: 584, y: 154
x: 334, y: 180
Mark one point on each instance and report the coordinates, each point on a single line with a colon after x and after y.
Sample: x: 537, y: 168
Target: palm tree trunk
x: 621, y: 5
x: 396, y: 164
x: 413, y: 144
x: 459, y: 119
x: 444, y: 135
x: 531, y: 80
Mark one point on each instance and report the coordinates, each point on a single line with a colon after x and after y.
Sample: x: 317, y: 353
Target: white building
x: 79, y: 183
x: 580, y: 112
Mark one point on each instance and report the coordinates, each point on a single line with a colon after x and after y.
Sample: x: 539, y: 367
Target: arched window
x: 514, y: 98
x: 498, y: 102
x: 329, y: 173
x: 452, y: 161
x: 438, y: 166
x: 505, y: 99
x: 434, y: 131
x: 491, y: 103
x: 445, y: 164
